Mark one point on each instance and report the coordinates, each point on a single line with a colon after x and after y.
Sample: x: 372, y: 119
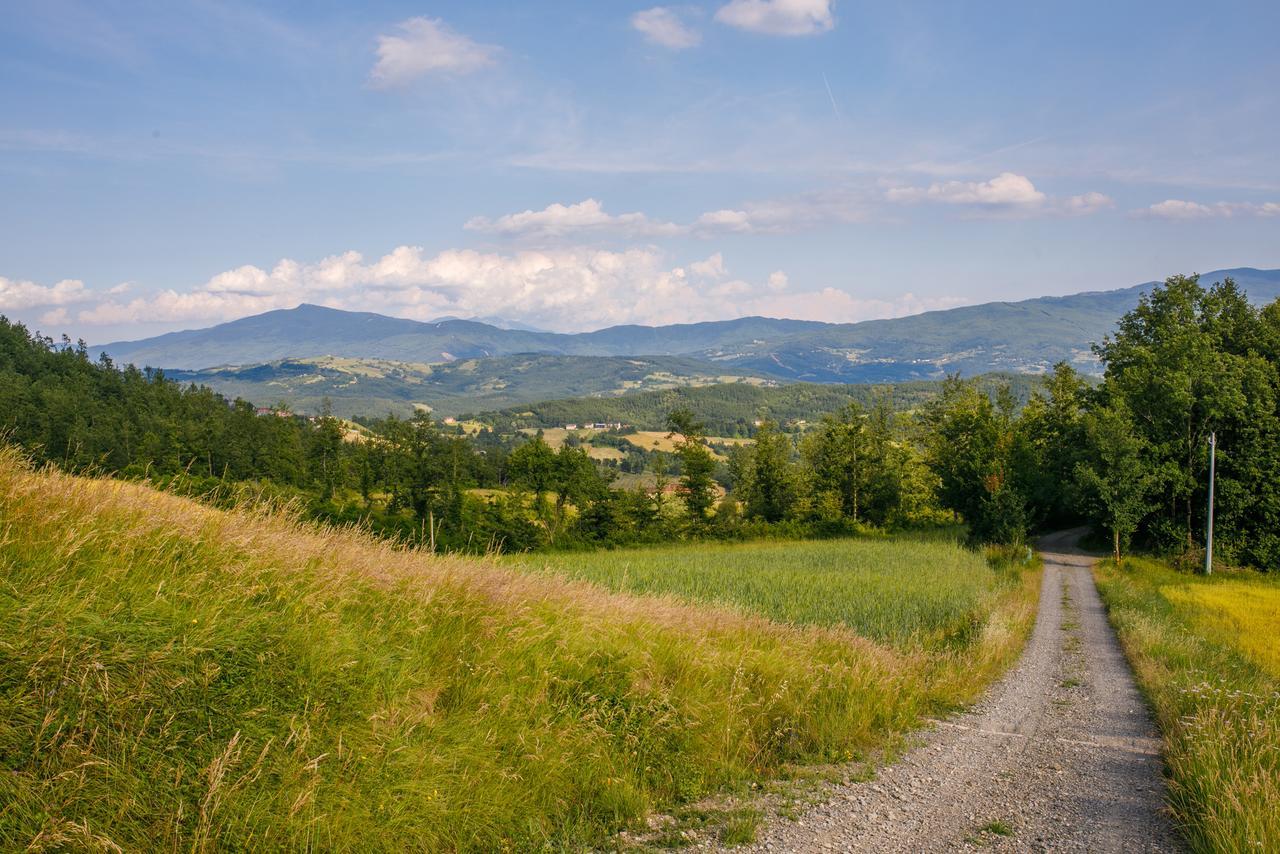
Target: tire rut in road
x: 1061, y: 755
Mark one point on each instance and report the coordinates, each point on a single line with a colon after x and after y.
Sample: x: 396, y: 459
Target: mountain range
x: 306, y: 352
x: 353, y: 387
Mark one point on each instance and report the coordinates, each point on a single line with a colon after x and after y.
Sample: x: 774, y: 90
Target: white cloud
x: 16, y: 295
x: 724, y: 220
x: 662, y: 26
x: 54, y: 317
x: 569, y: 289
x: 589, y: 216
x: 1007, y: 194
x: 712, y: 268
x: 557, y: 220
x: 1180, y: 209
x: 1006, y: 189
x: 427, y: 46
x: 779, y: 17
x: 1087, y: 203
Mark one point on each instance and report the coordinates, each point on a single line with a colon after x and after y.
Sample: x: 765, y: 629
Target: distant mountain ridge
x: 352, y: 387
x: 1026, y: 336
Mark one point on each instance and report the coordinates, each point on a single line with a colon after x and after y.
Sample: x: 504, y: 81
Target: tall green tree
x: 769, y: 475
x: 973, y: 448
x: 1114, y: 473
x: 1185, y: 362
x: 697, y: 465
x: 1051, y: 427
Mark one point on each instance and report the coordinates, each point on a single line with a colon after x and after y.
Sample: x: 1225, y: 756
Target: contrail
x: 834, y: 108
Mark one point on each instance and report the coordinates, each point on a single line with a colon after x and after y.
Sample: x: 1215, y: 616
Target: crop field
x: 1207, y: 652
x: 901, y: 590
x: 658, y: 440
x: 1245, y: 614
x: 295, y: 686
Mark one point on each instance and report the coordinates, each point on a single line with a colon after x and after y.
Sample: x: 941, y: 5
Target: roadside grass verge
x: 174, y: 676
x: 1206, y: 651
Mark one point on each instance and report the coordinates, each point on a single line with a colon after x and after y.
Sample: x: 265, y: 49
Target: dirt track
x: 1061, y: 755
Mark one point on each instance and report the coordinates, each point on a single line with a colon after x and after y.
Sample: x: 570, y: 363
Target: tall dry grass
x: 174, y: 677
x: 1217, y: 701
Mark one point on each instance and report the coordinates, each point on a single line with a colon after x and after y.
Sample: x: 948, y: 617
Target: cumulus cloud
x: 1087, y: 203
x: 1180, y: 209
x: 16, y: 295
x: 1006, y: 189
x: 557, y: 220
x: 426, y: 46
x: 1007, y: 194
x: 711, y: 268
x: 569, y: 289
x: 779, y: 17
x: 662, y: 26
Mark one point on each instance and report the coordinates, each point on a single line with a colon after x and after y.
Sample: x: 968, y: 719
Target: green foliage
x: 768, y: 479
x: 1187, y: 361
x: 697, y: 466
x: 730, y: 409
x: 856, y: 464
x: 975, y: 450
x: 1116, y: 473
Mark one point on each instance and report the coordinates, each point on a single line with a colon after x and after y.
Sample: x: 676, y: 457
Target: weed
x: 997, y: 827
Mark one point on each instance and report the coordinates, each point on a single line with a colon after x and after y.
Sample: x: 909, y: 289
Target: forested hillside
x: 733, y: 409
x: 351, y: 387
x: 1006, y: 456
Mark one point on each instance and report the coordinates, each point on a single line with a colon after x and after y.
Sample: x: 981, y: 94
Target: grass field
x: 180, y: 677
x: 908, y: 592
x: 1207, y: 653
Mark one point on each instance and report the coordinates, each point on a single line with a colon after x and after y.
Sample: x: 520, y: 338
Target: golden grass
x: 1202, y: 649
x: 1243, y: 614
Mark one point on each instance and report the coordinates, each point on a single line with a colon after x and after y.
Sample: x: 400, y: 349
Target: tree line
x: 1128, y: 455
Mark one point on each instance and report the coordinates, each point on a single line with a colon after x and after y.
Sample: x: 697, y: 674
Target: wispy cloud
x: 558, y: 220
x: 779, y: 17
x: 1005, y: 189
x: 426, y: 46
x: 589, y: 217
x: 1006, y: 194
x: 662, y: 26
x: 1180, y: 209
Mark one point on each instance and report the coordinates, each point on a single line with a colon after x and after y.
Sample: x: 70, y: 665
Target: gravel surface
x: 1062, y: 754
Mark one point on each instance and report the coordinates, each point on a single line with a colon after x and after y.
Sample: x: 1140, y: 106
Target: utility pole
x: 1208, y: 538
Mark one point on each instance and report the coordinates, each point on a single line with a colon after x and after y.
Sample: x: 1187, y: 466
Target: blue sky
x: 171, y: 165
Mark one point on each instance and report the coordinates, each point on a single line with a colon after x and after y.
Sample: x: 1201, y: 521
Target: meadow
x: 1206, y: 651
x: 181, y: 677
x: 906, y: 591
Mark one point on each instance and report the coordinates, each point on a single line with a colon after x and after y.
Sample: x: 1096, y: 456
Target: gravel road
x: 1062, y: 754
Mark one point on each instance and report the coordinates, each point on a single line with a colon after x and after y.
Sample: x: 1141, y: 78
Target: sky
x: 576, y: 165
